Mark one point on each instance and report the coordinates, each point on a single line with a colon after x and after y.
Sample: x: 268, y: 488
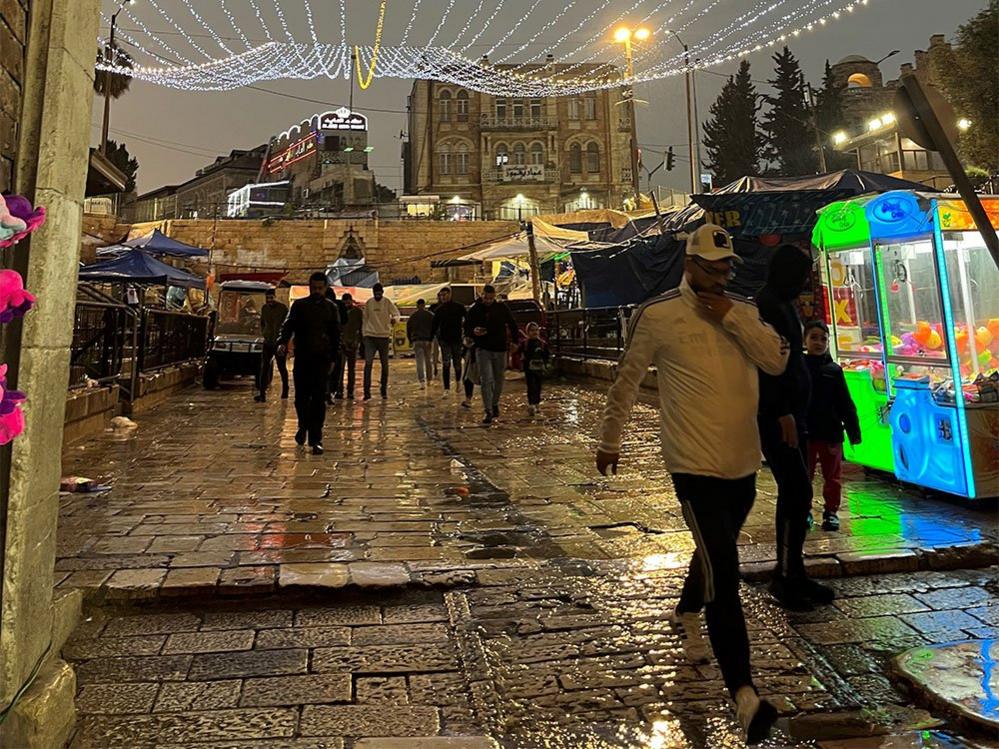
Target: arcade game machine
x: 937, y: 292
x: 846, y: 267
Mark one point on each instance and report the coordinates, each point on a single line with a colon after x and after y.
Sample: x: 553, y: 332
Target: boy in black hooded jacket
x: 830, y: 412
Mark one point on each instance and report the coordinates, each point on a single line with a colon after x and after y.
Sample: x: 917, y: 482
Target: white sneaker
x: 688, y: 626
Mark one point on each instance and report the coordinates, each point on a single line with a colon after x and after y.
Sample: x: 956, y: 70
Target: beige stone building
x: 509, y: 158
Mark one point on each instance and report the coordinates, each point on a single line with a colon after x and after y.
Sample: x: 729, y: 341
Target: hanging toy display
x: 18, y: 218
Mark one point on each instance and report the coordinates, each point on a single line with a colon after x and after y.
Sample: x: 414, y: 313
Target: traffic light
x: 670, y: 160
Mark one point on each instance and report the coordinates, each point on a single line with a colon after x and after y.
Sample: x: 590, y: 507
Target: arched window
x: 461, y: 106
x: 461, y: 159
x: 859, y: 80
x: 576, y: 159
x: 537, y: 154
x: 444, y: 158
x: 444, y: 104
x: 519, y: 154
x: 593, y: 158
x: 502, y: 154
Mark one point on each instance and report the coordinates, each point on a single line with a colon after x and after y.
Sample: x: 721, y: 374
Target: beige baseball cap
x: 712, y: 243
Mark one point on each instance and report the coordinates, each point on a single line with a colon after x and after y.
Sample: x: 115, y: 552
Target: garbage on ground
x: 123, y: 424
x: 81, y: 485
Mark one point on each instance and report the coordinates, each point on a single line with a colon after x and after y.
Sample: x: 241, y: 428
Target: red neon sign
x: 295, y: 152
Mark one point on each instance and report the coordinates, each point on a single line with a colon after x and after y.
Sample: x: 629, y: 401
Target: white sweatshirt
x: 708, y: 382
x: 379, y: 317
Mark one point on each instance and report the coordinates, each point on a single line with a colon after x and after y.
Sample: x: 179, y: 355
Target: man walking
x: 488, y: 324
x: 449, y: 318
x: 380, y: 314
x: 314, y: 323
x: 782, y: 422
x: 349, y: 342
x: 420, y: 329
x: 272, y: 316
x: 706, y: 346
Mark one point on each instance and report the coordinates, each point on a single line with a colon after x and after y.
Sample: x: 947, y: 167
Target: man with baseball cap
x: 707, y: 346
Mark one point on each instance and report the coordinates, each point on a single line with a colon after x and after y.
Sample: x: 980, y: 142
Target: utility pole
x: 693, y: 138
x: 625, y: 36
x: 110, y: 57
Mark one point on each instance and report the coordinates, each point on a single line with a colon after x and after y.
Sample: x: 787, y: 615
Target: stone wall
x: 397, y: 249
x: 13, y: 28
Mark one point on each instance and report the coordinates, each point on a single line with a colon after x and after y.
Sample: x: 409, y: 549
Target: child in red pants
x: 830, y: 411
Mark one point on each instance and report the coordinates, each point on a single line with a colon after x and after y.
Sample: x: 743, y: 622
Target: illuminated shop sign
x: 295, y: 152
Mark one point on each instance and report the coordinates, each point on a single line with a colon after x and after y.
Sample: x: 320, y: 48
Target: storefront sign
x: 295, y: 152
x: 342, y: 119
x: 523, y: 173
x: 756, y: 214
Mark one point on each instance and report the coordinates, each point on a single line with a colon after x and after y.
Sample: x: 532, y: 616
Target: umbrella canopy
x: 136, y: 267
x: 155, y: 243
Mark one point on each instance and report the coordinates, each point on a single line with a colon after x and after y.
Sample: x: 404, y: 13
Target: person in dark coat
x: 491, y: 325
x: 449, y: 318
x: 535, y: 355
x: 782, y: 421
x: 272, y: 317
x: 338, y: 363
x: 314, y: 323
x: 350, y: 340
x: 830, y: 412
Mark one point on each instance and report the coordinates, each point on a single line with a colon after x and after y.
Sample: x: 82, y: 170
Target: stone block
x: 378, y: 575
x: 879, y: 562
x: 315, y: 574
x: 45, y: 714
x: 432, y: 742
x: 296, y: 690
x: 364, y: 720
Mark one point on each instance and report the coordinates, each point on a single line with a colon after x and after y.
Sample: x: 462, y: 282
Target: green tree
x: 829, y: 118
x: 115, y: 84
x: 732, y: 136
x: 790, y: 137
x: 967, y: 73
x: 119, y: 156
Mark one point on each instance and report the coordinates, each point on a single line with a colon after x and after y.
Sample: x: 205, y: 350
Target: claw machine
x: 937, y: 296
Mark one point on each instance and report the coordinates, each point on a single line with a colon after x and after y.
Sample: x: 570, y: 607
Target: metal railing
x: 512, y: 122
x: 101, y: 335
x: 589, y: 333
x: 167, y: 338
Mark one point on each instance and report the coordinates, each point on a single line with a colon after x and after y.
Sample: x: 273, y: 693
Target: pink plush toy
x: 18, y: 219
x: 14, y: 300
x: 11, y: 416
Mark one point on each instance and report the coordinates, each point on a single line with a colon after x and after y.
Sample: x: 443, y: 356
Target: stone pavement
x: 429, y: 577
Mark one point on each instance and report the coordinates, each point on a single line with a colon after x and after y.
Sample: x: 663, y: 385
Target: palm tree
x: 111, y: 85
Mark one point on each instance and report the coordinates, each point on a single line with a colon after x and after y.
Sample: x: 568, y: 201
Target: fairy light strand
x: 480, y: 32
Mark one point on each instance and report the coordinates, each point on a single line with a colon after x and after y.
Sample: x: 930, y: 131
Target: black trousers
x: 451, y: 354
x: 267, y: 357
x: 379, y: 346
x: 715, y: 510
x: 789, y: 466
x: 311, y: 378
x: 533, y: 388
x: 346, y: 363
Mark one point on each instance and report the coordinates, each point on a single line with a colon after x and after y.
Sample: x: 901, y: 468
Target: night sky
x: 191, y: 128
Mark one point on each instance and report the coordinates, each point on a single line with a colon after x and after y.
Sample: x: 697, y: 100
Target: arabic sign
x: 295, y: 152
x: 523, y: 173
x: 342, y: 119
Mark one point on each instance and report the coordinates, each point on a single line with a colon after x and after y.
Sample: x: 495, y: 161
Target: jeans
x: 533, y: 388
x: 492, y: 370
x: 715, y: 510
x: 424, y: 361
x: 348, y: 363
x: 311, y: 378
x: 830, y: 456
x: 794, y: 495
x: 371, y: 347
x: 267, y: 368
x: 451, y: 353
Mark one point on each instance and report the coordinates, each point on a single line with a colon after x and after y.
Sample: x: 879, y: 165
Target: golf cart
x: 236, y: 341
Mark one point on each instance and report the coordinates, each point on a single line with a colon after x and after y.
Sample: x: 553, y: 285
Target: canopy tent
x: 511, y: 248
x: 137, y: 267
x: 155, y: 243
x: 351, y: 272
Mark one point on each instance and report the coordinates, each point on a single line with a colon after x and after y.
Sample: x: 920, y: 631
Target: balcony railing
x: 511, y: 122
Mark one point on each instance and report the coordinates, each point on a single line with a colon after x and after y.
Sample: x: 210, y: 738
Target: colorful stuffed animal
x: 983, y: 337
x: 11, y: 416
x: 18, y: 219
x: 922, y: 333
x: 14, y: 300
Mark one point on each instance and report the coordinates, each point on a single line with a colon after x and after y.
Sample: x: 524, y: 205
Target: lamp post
x: 627, y: 36
x: 693, y: 134
x: 108, y: 59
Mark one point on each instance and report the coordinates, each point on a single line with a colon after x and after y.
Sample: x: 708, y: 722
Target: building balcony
x: 510, y: 122
x: 522, y: 174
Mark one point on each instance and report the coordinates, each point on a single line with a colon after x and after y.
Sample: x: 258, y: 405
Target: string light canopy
x: 519, y: 48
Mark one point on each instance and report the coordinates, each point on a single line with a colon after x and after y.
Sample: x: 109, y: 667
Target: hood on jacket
x: 789, y: 270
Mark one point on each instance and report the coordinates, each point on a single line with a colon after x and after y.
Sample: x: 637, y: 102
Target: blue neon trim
x: 962, y: 424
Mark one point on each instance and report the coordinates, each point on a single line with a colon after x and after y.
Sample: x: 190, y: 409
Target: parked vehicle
x: 236, y: 342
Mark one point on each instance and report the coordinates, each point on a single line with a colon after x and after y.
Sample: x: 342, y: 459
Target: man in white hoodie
x: 707, y: 346
x: 380, y: 315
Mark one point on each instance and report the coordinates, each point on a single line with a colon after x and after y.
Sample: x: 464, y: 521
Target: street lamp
x: 627, y: 36
x: 520, y: 206
x: 890, y: 54
x: 108, y: 59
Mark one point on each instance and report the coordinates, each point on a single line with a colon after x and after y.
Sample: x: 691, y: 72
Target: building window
x: 519, y: 154
x: 500, y: 110
x: 502, y: 154
x: 576, y: 159
x: 461, y: 106
x: 537, y: 154
x: 444, y: 103
x: 590, y: 103
x: 593, y: 158
x: 461, y: 160
x: 518, y: 109
x: 575, y: 109
x: 444, y: 156
x: 536, y: 108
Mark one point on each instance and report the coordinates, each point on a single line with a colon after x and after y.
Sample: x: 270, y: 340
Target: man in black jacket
x: 314, y: 323
x: 449, y: 317
x: 488, y: 324
x: 782, y: 419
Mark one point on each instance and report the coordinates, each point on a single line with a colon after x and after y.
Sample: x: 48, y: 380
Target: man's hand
x: 607, y: 460
x: 480, y: 331
x: 856, y: 441
x: 713, y: 306
x: 789, y: 430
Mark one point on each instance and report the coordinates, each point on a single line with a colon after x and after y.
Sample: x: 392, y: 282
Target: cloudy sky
x: 173, y: 133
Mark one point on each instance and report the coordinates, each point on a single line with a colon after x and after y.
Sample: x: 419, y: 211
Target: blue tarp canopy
x: 137, y: 267
x: 155, y: 243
